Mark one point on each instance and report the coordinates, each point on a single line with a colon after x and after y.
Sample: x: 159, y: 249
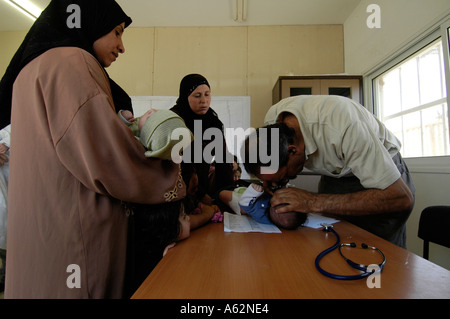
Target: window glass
x: 412, y: 102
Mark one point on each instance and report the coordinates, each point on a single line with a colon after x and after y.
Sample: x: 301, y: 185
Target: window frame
x: 440, y: 30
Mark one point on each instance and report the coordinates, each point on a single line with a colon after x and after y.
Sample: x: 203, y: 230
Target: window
x: 409, y: 95
x: 412, y: 102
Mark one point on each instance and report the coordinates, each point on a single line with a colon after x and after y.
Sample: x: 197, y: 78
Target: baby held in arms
x: 253, y: 201
x: 162, y: 132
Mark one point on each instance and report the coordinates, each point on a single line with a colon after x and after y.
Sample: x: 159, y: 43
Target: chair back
x: 434, y: 226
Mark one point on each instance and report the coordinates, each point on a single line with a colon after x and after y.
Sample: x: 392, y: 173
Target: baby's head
x: 145, y: 117
x: 289, y: 221
x: 156, y: 128
x: 162, y: 224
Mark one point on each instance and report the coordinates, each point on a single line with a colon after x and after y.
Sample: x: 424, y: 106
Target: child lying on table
x: 253, y: 201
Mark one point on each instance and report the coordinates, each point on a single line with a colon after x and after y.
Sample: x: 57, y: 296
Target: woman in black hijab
x: 222, y: 175
x: 51, y: 30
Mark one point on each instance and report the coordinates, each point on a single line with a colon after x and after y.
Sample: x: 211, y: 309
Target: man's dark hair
x: 286, y: 137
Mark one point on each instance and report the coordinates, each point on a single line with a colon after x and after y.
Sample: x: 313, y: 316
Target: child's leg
x: 231, y: 199
x: 226, y: 196
x: 252, y: 192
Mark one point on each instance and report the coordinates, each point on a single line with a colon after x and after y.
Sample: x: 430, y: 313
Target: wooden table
x: 213, y: 264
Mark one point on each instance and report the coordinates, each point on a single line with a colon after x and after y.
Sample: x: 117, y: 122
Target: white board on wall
x: 233, y: 111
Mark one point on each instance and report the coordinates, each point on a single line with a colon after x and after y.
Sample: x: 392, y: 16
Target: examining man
x: 364, y: 178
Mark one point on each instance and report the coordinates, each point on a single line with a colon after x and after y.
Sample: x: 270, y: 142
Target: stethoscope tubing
x: 335, y: 276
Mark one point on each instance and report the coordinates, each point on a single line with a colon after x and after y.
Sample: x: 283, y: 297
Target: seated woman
x: 194, y: 107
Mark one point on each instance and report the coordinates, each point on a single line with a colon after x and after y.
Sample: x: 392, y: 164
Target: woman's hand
x: 168, y: 247
x: 3, y: 158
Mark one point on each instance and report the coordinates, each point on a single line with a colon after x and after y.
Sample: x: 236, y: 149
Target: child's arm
x: 205, y: 215
x: 207, y: 199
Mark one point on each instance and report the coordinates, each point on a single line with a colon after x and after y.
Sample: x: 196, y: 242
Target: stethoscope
x: 364, y: 268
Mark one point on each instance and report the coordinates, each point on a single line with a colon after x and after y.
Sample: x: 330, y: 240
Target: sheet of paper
x: 245, y: 224
x: 316, y: 221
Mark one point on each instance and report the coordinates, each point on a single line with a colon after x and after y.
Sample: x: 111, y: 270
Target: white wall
x: 402, y: 21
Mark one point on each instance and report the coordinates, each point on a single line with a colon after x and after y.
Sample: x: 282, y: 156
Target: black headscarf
x: 188, y: 85
x: 50, y: 30
x: 223, y: 171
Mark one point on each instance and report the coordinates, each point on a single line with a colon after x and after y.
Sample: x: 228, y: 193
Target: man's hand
x: 293, y: 200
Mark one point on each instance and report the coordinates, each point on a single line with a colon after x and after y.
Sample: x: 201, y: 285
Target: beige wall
x: 237, y: 61
x: 275, y: 51
x: 10, y: 41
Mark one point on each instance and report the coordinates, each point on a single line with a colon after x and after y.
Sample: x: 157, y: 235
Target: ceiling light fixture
x: 240, y: 10
x: 26, y: 7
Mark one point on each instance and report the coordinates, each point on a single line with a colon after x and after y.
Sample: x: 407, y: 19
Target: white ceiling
x: 150, y: 13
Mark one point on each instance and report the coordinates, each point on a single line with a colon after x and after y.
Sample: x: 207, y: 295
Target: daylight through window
x: 412, y: 102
